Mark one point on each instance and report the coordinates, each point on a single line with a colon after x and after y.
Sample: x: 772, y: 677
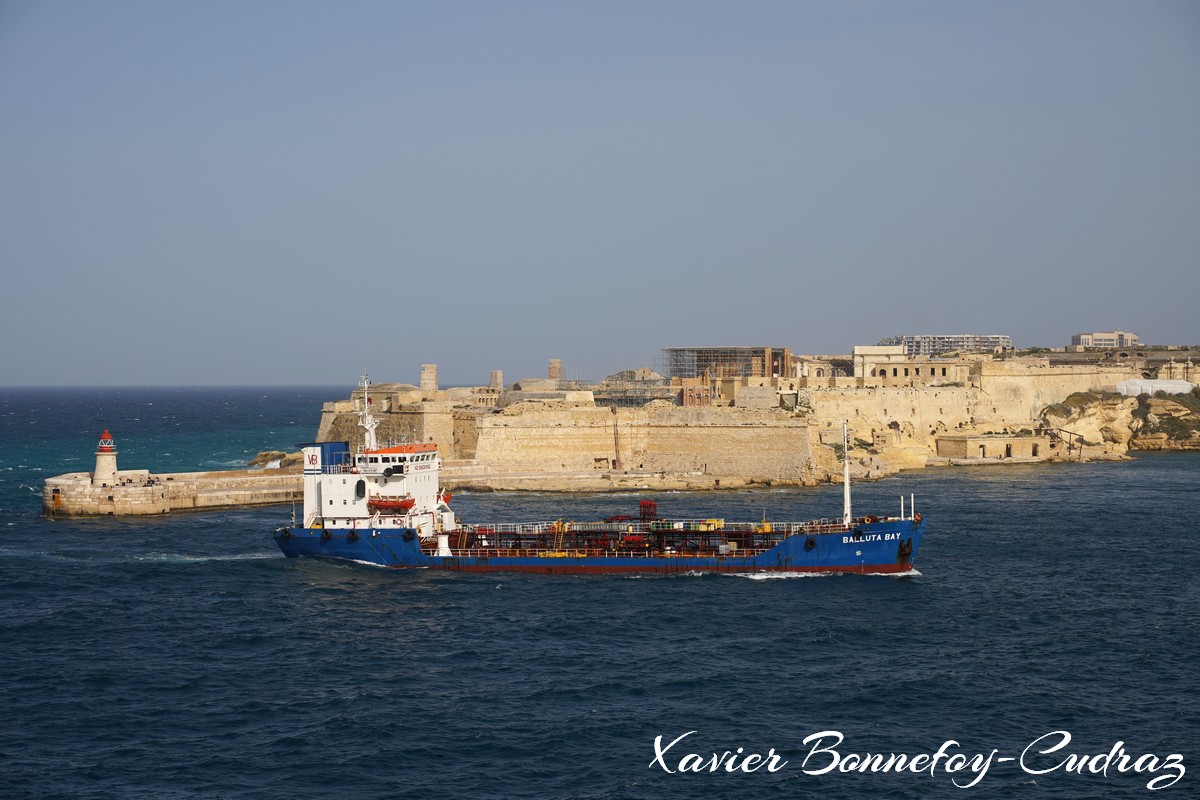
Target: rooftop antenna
x: 366, y: 420
x: 846, y: 516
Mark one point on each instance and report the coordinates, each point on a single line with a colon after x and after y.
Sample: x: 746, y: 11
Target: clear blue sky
x: 293, y: 192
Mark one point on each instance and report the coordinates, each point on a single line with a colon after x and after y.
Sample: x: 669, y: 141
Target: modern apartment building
x: 928, y: 344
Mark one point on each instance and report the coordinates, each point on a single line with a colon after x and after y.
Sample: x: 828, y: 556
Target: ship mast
x: 366, y: 420
x: 846, y: 516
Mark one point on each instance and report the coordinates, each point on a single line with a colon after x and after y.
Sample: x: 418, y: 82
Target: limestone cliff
x: 1168, y: 423
x: 1101, y: 420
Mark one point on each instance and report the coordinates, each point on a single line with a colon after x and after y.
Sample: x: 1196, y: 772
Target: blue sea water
x: 183, y: 657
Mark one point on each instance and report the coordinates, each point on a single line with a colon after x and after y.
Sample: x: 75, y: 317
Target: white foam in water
x: 176, y: 558
x: 765, y: 576
x: 912, y: 573
x: 367, y: 563
x: 768, y: 576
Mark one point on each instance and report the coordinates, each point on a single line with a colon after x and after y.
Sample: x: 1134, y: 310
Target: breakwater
x: 141, y: 492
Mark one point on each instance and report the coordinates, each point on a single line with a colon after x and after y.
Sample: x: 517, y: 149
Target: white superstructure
x: 375, y: 487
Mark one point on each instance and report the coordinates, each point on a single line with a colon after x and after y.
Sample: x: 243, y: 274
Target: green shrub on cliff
x: 1077, y: 401
x: 1189, y: 400
x: 1176, y: 428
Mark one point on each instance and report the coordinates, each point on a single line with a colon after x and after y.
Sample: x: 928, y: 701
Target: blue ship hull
x: 888, y: 546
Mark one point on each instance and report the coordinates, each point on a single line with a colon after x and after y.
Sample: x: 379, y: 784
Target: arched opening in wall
x: 820, y: 373
x: 1008, y: 451
x: 1124, y: 355
x: 1035, y: 449
x: 982, y: 451
x: 872, y: 373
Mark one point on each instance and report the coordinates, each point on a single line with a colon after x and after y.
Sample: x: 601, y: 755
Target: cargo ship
x: 383, y: 505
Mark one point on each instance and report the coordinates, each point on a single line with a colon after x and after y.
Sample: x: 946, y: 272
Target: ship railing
x: 593, y: 552
x: 657, y: 526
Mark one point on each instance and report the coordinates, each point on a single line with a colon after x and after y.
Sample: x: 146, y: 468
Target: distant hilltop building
x: 928, y: 344
x: 1105, y: 339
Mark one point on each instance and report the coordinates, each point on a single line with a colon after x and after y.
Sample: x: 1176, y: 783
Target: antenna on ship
x: 846, y: 516
x: 366, y: 420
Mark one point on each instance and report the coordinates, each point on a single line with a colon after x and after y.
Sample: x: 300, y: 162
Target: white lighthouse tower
x: 105, y: 473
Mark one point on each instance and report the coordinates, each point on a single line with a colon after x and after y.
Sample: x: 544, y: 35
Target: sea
x: 1047, y: 645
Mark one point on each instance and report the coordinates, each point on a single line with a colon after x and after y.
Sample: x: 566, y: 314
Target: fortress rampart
x: 757, y: 430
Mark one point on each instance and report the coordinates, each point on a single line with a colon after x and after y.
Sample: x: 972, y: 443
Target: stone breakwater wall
x: 141, y: 492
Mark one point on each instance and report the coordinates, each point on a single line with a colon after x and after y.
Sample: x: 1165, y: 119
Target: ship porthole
x: 810, y: 544
x: 326, y: 536
x: 409, y: 536
x: 352, y: 536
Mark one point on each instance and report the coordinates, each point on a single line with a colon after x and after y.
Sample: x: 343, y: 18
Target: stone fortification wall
x: 885, y: 416
x: 1004, y: 395
x: 759, y: 445
x: 896, y: 426
x: 409, y: 422
x: 1020, y: 389
x: 659, y: 437
x: 547, y: 437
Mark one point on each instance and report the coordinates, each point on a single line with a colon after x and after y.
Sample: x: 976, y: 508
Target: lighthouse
x: 105, y: 473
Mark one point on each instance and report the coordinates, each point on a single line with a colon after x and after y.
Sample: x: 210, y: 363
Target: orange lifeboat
x: 390, y: 503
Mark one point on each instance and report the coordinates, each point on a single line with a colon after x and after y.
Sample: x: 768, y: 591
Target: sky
x: 228, y: 192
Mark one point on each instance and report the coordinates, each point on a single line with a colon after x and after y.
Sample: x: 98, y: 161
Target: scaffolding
x: 726, y: 362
